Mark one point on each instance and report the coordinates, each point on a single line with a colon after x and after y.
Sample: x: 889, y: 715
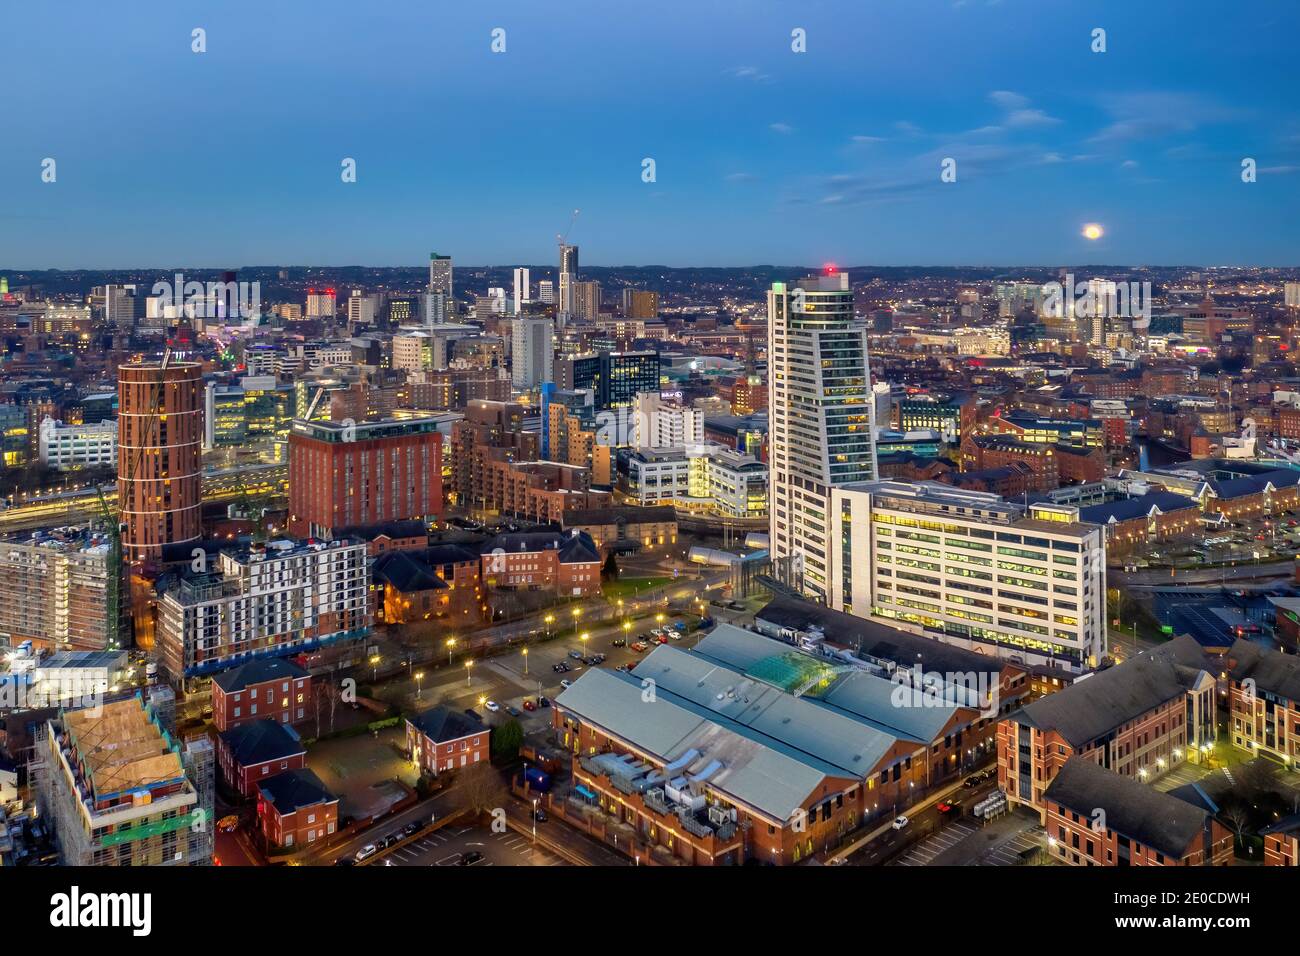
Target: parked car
x: 529, y: 705
x: 972, y: 781
x: 900, y: 822
x: 513, y: 711
x: 411, y: 829
x: 576, y: 655
x: 345, y: 861
x: 493, y: 706
x: 228, y: 824
x: 947, y: 808
x: 540, y: 816
x: 471, y: 712
x: 543, y: 701
x: 566, y: 683
x: 468, y: 858
x: 366, y: 852
x: 618, y: 642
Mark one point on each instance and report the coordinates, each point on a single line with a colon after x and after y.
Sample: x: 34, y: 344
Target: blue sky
x: 232, y: 157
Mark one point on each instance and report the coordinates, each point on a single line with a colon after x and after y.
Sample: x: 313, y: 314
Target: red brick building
x: 567, y: 563
x: 1095, y: 817
x: 981, y: 452
x: 1132, y: 718
x: 1282, y: 842
x: 442, y: 582
x: 251, y: 753
x: 273, y: 688
x: 1264, y: 701
x: 440, y: 740
x: 1156, y: 518
x: 295, y: 810
x: 343, y: 474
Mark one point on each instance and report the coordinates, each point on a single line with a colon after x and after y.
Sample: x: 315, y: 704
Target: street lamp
x: 419, y: 676
x: 451, y: 642
x: 577, y: 613
x: 468, y: 665
x: 525, y: 660
x: 374, y: 667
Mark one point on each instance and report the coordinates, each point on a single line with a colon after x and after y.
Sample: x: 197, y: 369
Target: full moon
x: 1093, y: 230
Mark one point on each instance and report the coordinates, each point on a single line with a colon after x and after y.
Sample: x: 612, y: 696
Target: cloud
x: 866, y: 140
x: 1025, y: 119
x: 751, y: 73
x: 785, y: 129
x: 1138, y: 117
x: 1007, y: 100
x: 739, y: 177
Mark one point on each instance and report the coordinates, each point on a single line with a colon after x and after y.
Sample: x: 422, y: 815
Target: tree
x: 507, y: 739
x: 480, y: 788
x: 609, y: 572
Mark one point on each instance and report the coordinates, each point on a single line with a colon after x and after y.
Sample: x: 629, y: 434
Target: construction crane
x: 113, y: 519
x: 562, y: 238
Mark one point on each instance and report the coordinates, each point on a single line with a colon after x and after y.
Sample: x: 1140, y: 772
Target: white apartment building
x: 66, y: 447
x: 532, y: 352
x: 271, y: 599
x: 412, y: 351
x: 705, y: 478
x: 971, y: 569
x: 821, y: 414
x: 523, y: 291
x: 659, y: 423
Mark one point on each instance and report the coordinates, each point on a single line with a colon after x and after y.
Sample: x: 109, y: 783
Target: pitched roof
x: 406, y: 572
x: 1096, y: 705
x: 1161, y: 502
x: 619, y: 515
x: 258, y: 672
x: 391, y: 529
x: 261, y: 740
x: 1272, y: 671
x: 1162, y: 822
x: 294, y: 789
x: 573, y: 546
x: 441, y: 724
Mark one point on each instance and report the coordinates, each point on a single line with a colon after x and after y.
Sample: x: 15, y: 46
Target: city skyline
x: 761, y: 154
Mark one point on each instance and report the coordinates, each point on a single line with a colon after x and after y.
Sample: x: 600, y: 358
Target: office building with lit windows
x: 971, y: 569
x: 821, y: 414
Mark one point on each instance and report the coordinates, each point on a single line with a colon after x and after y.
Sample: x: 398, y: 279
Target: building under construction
x: 119, y: 790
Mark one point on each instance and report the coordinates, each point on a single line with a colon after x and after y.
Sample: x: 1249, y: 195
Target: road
x: 1210, y: 577
x: 446, y: 847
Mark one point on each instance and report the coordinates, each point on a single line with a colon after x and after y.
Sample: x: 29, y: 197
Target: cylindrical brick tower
x: 159, y: 468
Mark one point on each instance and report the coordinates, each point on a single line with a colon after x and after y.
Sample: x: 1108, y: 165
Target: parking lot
x: 971, y: 842
x: 925, y: 852
x: 447, y: 847
x: 1009, y: 853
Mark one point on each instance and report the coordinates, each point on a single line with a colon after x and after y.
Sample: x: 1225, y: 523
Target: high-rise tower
x: 159, y: 470
x: 821, y: 419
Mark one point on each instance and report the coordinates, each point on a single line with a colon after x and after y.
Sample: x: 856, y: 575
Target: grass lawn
x: 630, y: 587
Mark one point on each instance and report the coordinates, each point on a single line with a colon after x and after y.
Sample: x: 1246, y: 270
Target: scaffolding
x: 118, y: 790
